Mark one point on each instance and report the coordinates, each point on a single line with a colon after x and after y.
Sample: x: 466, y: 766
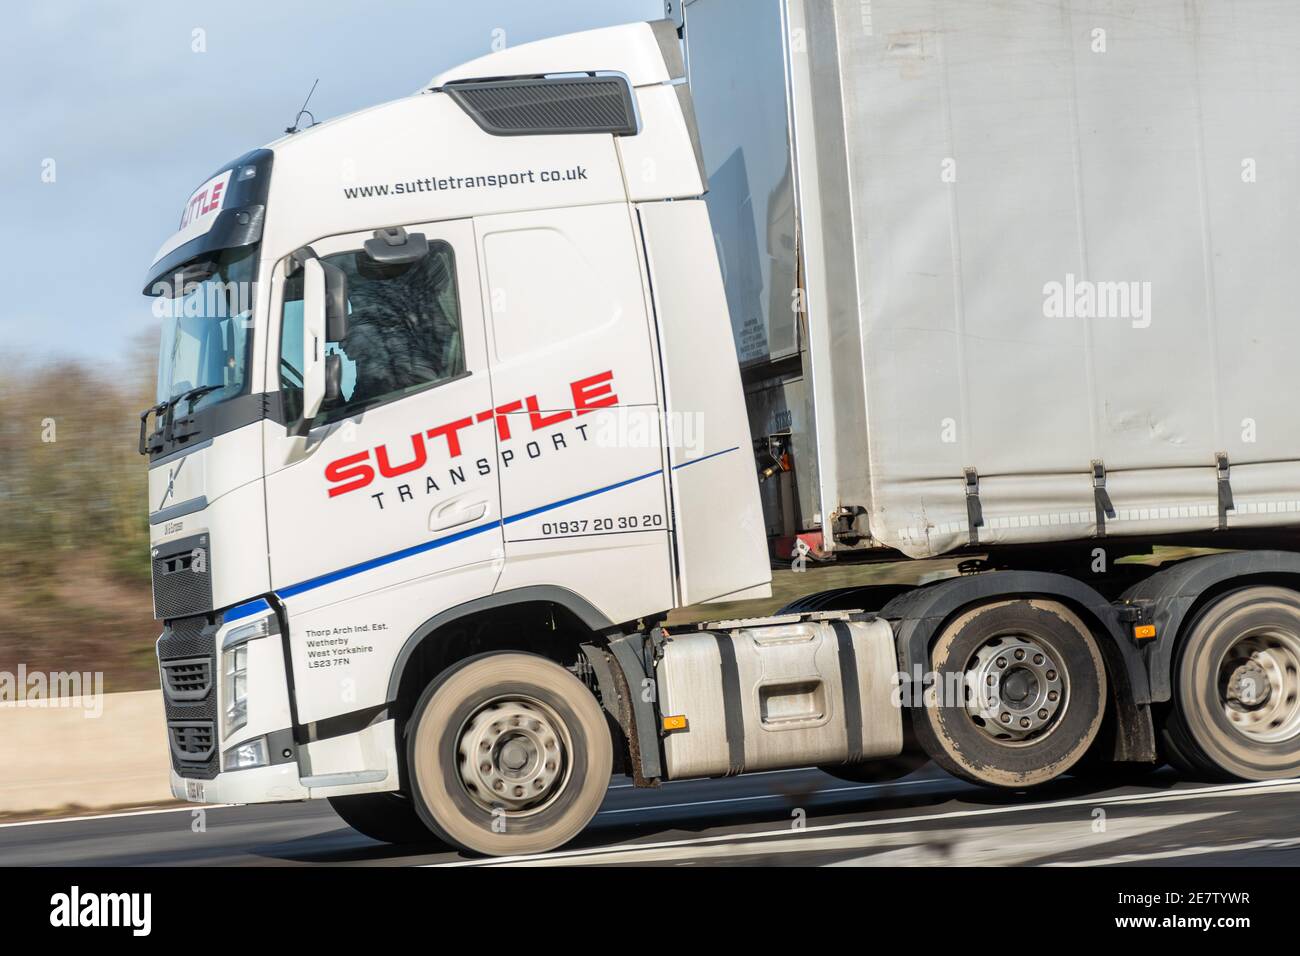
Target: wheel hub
x: 1259, y: 684
x: 512, y: 756
x: 1015, y: 688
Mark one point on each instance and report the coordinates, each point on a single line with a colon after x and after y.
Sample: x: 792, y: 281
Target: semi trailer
x: 460, y: 395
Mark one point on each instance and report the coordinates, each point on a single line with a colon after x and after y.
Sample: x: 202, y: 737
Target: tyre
x: 386, y: 817
x: 508, y: 753
x: 1235, y: 711
x: 1019, y: 694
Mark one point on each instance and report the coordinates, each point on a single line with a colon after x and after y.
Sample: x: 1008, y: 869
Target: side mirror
x: 336, y: 303
x: 313, y: 341
x: 395, y: 246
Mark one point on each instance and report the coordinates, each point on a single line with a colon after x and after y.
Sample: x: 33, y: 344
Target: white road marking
x: 1242, y: 789
x: 1005, y: 845
x: 1290, y: 843
x: 211, y: 806
x: 114, y: 816
x: 779, y: 796
x: 1012, y: 845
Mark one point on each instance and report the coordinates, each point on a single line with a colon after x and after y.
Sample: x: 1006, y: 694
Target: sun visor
x: 226, y: 212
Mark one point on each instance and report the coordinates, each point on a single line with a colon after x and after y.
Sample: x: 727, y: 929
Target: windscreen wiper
x: 192, y: 395
x: 168, y: 409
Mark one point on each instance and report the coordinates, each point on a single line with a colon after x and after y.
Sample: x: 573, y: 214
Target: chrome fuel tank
x: 781, y: 692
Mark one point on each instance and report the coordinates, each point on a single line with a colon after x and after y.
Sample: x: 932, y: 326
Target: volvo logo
x: 171, y: 482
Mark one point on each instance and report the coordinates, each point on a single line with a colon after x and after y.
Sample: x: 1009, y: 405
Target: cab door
x: 574, y: 370
x: 385, y: 509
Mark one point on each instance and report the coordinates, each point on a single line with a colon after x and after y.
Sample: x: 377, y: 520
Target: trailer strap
x: 974, y: 510
x: 732, y: 705
x: 852, y: 692
x: 1100, y: 497
x: 1222, y: 469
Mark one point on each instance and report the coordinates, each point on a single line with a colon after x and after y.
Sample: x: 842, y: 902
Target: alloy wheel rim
x: 1259, y: 685
x: 1016, y: 689
x: 513, y: 756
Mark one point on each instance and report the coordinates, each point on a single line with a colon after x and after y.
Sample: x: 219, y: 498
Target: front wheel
x: 1018, y: 694
x: 1236, y: 706
x: 386, y: 817
x: 509, y: 753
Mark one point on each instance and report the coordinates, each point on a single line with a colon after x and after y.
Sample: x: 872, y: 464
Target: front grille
x: 555, y: 105
x: 188, y: 637
x: 192, y: 741
x: 188, y: 679
x: 187, y: 658
x: 182, y: 579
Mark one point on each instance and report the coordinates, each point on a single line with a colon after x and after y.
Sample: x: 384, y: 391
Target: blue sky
x: 134, y: 119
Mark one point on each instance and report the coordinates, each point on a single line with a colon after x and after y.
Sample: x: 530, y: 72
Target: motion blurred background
x: 74, y: 539
x: 113, y: 112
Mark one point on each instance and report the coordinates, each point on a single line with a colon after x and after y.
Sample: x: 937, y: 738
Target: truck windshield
x: 206, y: 332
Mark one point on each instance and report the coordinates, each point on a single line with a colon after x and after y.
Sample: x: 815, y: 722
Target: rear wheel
x: 1019, y: 694
x: 386, y: 817
x: 1236, y: 706
x: 508, y: 753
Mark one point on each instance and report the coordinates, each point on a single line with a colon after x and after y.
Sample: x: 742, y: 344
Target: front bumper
x: 255, y: 785
x: 361, y: 762
x: 202, y: 739
x: 200, y: 732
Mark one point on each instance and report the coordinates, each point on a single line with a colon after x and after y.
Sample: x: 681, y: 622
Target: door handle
x: 440, y: 519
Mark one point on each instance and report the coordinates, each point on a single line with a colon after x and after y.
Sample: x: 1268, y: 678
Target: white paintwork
x: 272, y: 784
x: 721, y: 542
x: 313, y: 534
x: 567, y: 306
x: 660, y: 162
x: 369, y: 757
x: 203, y: 473
x: 560, y: 475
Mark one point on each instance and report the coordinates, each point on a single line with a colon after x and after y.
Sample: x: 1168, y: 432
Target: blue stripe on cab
x: 253, y: 607
x: 696, y: 461
x: 246, y: 610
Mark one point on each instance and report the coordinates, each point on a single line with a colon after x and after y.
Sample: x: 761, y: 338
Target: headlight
x: 251, y: 753
x: 235, y: 672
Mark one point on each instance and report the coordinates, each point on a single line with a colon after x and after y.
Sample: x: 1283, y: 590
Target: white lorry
x: 460, y: 395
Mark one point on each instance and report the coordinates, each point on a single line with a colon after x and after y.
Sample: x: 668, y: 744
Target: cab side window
x: 404, y: 332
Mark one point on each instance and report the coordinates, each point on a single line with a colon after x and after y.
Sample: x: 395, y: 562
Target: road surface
x: 800, y: 817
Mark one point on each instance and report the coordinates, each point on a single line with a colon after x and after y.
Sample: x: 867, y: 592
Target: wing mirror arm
x: 395, y: 246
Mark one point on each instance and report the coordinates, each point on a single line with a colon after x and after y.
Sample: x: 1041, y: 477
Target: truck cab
x: 447, y: 376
